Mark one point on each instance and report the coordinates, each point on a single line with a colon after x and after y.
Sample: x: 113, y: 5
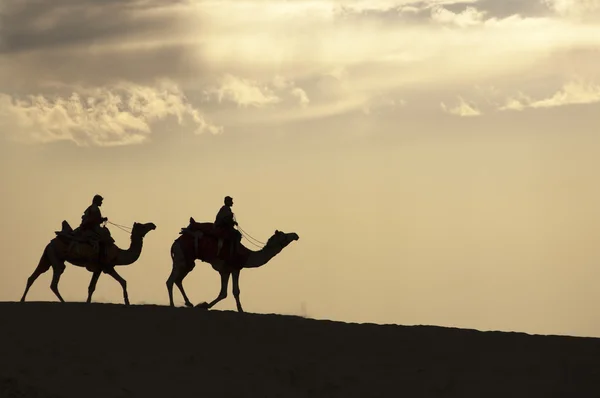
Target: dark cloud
x: 412, y: 13
x: 88, y: 68
x: 27, y: 25
x: 95, y: 41
x: 418, y: 12
x: 505, y: 8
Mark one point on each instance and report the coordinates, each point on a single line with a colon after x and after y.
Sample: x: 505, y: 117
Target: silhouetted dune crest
x: 110, y: 350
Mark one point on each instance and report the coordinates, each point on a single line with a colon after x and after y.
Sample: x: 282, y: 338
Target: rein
x: 121, y: 227
x: 249, y: 237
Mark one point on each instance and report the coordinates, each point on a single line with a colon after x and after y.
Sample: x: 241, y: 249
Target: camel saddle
x: 85, y: 243
x: 83, y: 236
x: 199, y: 229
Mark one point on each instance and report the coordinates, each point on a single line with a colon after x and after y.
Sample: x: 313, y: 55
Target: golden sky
x: 438, y: 159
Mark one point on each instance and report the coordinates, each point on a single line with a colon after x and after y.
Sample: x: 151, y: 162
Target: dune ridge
x: 99, y: 350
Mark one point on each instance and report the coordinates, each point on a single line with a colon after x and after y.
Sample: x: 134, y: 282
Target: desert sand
x: 108, y: 350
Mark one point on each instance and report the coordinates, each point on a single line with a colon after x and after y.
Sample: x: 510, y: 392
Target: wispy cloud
x: 470, y: 16
x: 578, y: 9
x: 245, y: 92
x: 575, y: 92
x: 462, y: 109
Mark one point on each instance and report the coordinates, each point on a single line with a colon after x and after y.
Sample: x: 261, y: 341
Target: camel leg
x: 122, y: 282
x: 179, y: 283
x: 30, y: 282
x: 170, y: 282
x: 43, y: 266
x: 182, y: 266
x: 58, y: 267
x: 92, y: 287
x: 222, y: 294
x: 235, y: 279
x: 57, y: 271
x: 178, y: 273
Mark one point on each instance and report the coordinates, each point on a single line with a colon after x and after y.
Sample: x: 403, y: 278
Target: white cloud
x: 578, y: 9
x: 119, y: 114
x: 301, y: 96
x: 243, y: 92
x: 246, y: 92
x: 462, y: 109
x: 572, y: 93
x: 306, y: 41
x: 516, y: 104
x: 469, y: 17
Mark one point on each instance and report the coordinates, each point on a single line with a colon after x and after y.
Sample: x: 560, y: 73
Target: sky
x: 438, y: 158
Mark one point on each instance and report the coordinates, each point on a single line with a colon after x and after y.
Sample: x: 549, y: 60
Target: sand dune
x: 107, y: 350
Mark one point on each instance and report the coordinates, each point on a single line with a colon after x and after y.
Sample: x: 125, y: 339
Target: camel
x: 66, y: 247
x: 198, y: 242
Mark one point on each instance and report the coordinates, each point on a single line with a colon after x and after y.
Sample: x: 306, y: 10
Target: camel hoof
x: 202, y: 306
x: 189, y: 305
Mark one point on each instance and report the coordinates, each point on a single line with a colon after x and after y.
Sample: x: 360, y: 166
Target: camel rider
x: 225, y: 220
x: 91, y: 221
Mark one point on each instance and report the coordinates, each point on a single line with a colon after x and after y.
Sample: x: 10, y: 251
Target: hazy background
x: 438, y: 159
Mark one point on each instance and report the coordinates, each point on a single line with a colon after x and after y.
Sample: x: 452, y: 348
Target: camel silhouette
x: 65, y: 248
x: 198, y: 242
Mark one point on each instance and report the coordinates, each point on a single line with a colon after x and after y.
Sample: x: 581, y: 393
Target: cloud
x: 258, y: 94
x: 380, y: 55
x: 27, y: 25
x: 243, y: 92
x: 414, y: 12
x: 91, y: 42
x: 501, y: 9
x: 120, y: 114
x: 462, y: 109
x: 395, y: 11
x: 576, y: 92
x: 469, y: 17
x: 300, y: 95
x: 577, y: 9
x: 271, y: 61
x: 377, y: 105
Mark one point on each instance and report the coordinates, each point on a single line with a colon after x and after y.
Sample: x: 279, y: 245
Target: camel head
x: 140, y: 230
x: 280, y: 240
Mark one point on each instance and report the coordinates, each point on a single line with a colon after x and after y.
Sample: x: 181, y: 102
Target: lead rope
x: 249, y: 237
x: 121, y: 227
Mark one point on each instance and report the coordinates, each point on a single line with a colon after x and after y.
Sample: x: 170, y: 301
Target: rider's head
x: 97, y: 200
x: 228, y: 201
